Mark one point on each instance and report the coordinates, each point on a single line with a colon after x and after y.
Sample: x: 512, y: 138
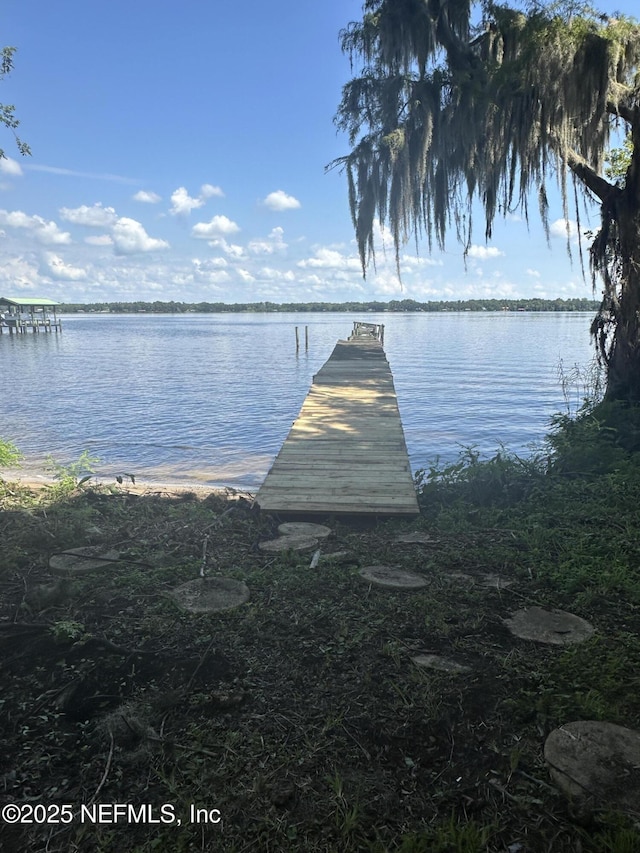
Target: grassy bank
x: 300, y: 716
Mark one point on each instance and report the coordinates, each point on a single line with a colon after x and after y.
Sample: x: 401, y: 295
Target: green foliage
x: 393, y: 306
x: 67, y: 631
x: 600, y: 439
x: 498, y: 481
x: 9, y: 454
x: 582, y: 387
x: 75, y: 474
x: 617, y: 836
x: 7, y: 111
x: 455, y: 835
x: 618, y: 161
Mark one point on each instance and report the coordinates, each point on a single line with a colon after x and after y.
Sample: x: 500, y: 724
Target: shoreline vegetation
x: 394, y: 306
x: 301, y: 717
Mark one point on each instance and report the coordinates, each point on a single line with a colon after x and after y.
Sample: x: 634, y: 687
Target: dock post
x: 297, y: 342
x: 306, y: 339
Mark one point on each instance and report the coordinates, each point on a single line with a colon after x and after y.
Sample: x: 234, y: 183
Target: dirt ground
x: 298, y: 720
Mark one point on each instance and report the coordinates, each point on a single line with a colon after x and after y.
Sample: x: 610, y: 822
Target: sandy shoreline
x: 140, y: 487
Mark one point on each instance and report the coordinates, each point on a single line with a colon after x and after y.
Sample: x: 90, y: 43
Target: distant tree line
x: 394, y: 306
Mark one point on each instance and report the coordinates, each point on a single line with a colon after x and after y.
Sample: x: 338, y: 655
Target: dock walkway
x: 346, y: 451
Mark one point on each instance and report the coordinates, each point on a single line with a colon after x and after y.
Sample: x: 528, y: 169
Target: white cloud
x: 211, y: 271
x: 564, y: 228
x: 210, y: 263
x: 279, y: 200
x: 483, y: 253
x: 208, y: 191
x: 45, y: 232
x: 272, y: 274
x: 50, y: 234
x: 99, y: 240
x: 411, y: 262
x: 533, y: 273
x: 245, y: 275
x: 231, y: 249
x: 10, y: 167
x: 61, y: 271
x: 218, y: 226
x: 19, y: 273
x: 182, y: 203
x: 147, y: 197
x: 92, y: 217
x: 129, y: 237
x: 331, y: 259
x: 272, y: 244
x: 72, y: 173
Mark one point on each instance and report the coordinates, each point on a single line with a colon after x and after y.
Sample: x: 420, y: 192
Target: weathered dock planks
x: 346, y: 451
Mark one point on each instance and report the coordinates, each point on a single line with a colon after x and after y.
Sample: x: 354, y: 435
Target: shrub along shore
x: 299, y: 721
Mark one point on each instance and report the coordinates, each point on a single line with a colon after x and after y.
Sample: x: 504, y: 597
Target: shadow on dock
x: 346, y: 452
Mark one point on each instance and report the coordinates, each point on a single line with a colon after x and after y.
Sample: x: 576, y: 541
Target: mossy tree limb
x: 445, y: 112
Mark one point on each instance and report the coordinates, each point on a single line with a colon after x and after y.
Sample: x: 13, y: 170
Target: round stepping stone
x: 288, y: 543
x: 210, y: 595
x: 80, y: 561
x: 390, y: 577
x: 438, y: 662
x: 549, y: 626
x: 303, y: 529
x: 416, y: 537
x: 596, y: 762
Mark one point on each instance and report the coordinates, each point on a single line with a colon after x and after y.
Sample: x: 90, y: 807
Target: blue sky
x: 179, y: 153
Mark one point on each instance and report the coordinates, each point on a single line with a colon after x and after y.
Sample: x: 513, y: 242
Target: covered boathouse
x: 19, y: 314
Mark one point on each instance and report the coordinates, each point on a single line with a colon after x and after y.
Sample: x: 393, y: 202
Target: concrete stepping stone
x: 438, y: 662
x: 80, y: 561
x: 596, y: 762
x: 388, y: 576
x: 304, y: 529
x: 549, y: 626
x: 210, y: 595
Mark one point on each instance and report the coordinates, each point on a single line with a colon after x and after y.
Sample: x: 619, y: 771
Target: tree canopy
x: 7, y: 111
x: 456, y: 103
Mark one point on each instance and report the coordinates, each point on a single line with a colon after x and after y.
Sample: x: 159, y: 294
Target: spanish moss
x: 443, y: 113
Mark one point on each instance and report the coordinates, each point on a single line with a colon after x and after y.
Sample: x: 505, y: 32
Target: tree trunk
x: 623, y: 364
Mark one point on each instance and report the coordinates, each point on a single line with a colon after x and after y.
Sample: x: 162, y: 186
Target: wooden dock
x: 345, y: 453
x: 35, y: 313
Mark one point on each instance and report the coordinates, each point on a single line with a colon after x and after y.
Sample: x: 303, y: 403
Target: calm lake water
x: 209, y: 399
